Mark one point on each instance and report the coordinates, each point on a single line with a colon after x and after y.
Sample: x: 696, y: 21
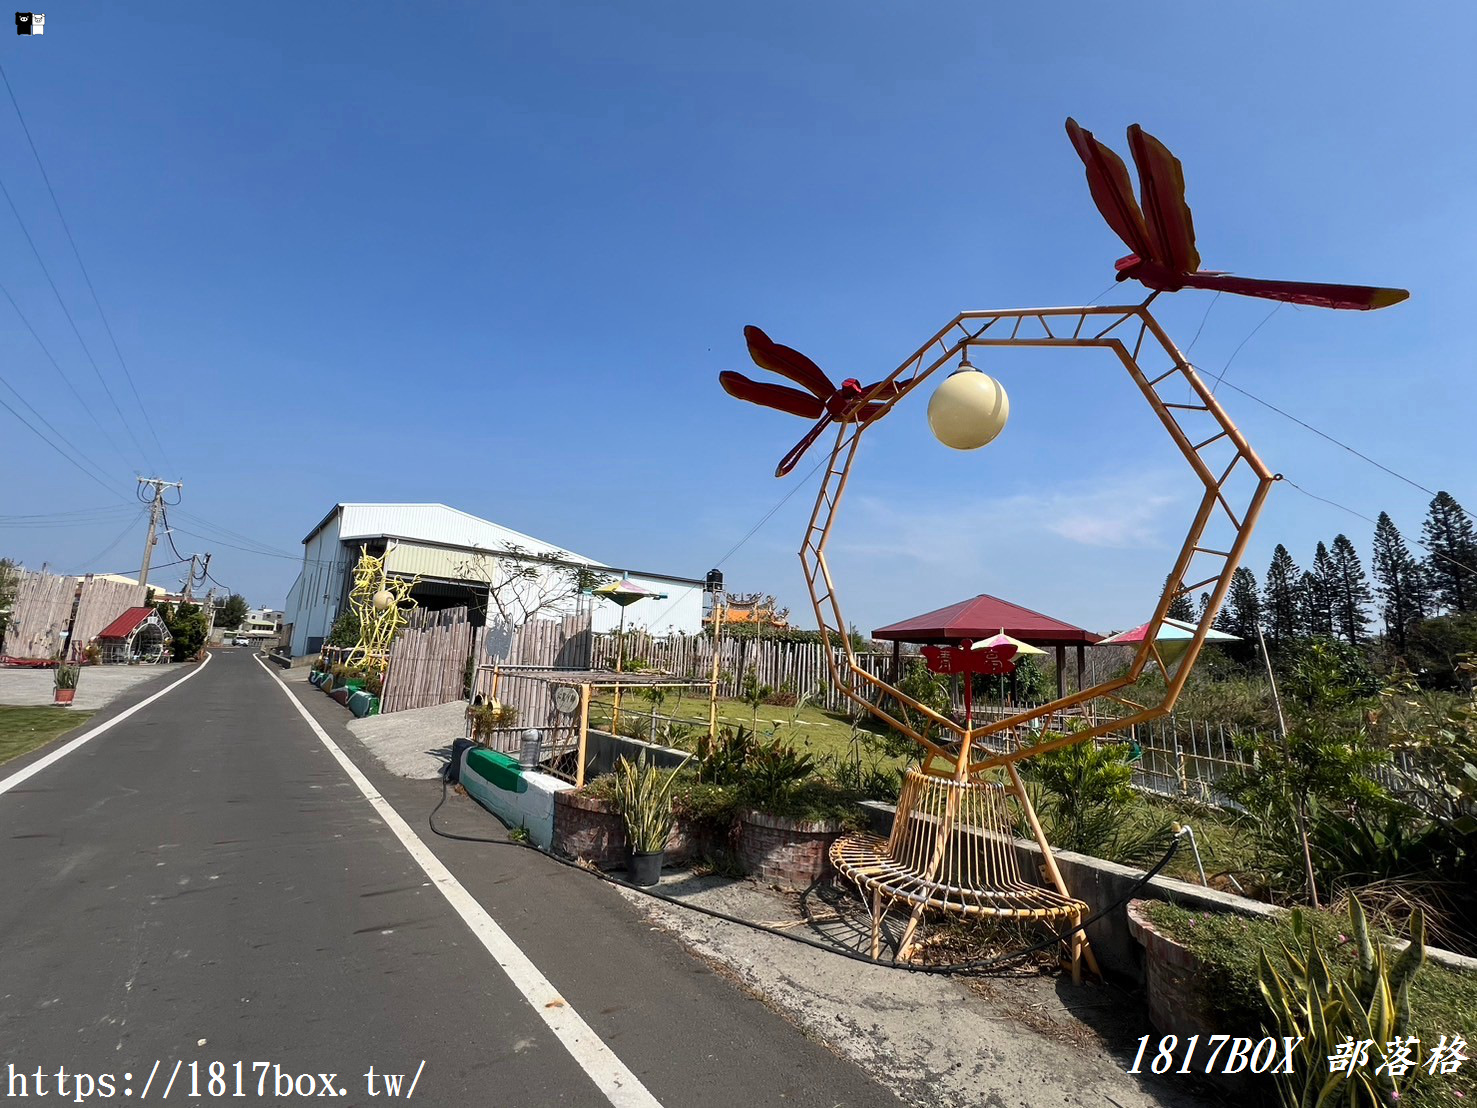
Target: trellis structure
x: 951, y: 847
x: 1200, y: 428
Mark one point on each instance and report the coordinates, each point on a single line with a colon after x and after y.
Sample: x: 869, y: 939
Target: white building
x: 261, y: 623
x: 457, y: 559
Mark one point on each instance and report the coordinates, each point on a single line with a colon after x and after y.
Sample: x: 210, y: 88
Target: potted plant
x: 488, y: 718
x: 644, y: 799
x: 66, y: 683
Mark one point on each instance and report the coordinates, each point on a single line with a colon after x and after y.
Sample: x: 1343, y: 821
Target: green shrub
x: 1089, y: 804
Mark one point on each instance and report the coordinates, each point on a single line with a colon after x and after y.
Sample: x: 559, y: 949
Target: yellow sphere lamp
x: 969, y: 409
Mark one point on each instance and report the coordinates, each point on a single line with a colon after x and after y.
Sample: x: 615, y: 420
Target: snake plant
x: 66, y: 676
x: 644, y: 799
x: 1368, y: 1002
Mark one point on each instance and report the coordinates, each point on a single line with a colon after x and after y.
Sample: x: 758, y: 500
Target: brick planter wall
x: 593, y: 831
x: 589, y: 829
x: 1172, y: 977
x: 784, y: 851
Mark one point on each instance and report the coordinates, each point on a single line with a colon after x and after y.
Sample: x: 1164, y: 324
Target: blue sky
x: 496, y: 255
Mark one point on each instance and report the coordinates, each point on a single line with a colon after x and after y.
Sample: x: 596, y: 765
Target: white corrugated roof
x: 435, y: 523
x: 446, y: 526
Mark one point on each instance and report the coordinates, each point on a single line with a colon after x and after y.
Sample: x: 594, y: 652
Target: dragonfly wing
x: 1112, y: 191
x: 781, y: 397
x: 770, y: 355
x: 1312, y: 294
x: 1162, y: 188
x: 787, y: 463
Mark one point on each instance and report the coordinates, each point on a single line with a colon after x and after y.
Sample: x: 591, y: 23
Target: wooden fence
x: 428, y: 661
x: 39, y: 615
x: 101, y: 603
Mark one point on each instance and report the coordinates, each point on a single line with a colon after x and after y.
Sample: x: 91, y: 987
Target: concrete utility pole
x: 156, y: 506
x: 189, y: 580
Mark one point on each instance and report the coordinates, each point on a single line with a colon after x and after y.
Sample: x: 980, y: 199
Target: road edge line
x: 610, y: 1075
x: 8, y: 783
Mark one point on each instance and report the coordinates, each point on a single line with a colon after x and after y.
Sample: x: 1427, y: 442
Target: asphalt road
x: 204, y: 882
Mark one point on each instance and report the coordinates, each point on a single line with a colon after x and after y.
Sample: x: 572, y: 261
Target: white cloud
x: 1121, y: 511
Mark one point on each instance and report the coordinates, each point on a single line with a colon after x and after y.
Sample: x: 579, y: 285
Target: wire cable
x: 129, y: 526
x: 1367, y: 519
x: 66, y: 380
x: 73, y: 461
x: 1226, y: 368
x: 148, y: 421
x: 67, y: 312
x: 77, y: 450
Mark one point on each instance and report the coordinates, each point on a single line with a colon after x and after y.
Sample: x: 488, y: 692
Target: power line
x: 82, y: 400
x: 129, y: 526
x: 73, y: 461
x: 148, y: 422
x: 67, y: 312
x: 49, y: 426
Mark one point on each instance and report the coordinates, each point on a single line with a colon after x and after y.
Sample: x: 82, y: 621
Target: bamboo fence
x: 39, y: 616
x: 428, y: 661
x: 101, y: 603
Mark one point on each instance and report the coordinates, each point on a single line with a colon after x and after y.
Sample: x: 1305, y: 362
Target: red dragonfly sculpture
x: 822, y: 401
x: 1162, y: 236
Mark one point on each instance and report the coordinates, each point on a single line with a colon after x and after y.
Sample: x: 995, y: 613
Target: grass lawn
x: 24, y: 729
x: 811, y: 729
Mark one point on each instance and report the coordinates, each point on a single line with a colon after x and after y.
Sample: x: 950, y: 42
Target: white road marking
x: 61, y: 752
x: 619, y: 1085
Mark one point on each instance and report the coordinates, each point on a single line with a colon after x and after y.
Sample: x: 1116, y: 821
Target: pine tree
x: 1181, y: 607
x: 1243, y: 609
x: 1201, y: 606
x: 1317, y: 594
x: 1282, y: 612
x: 1399, y: 580
x: 1452, y: 566
x: 1349, y: 593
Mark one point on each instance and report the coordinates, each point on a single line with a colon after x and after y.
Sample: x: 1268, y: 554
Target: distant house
x: 458, y: 559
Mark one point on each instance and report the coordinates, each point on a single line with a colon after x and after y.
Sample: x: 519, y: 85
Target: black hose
x: 829, y: 948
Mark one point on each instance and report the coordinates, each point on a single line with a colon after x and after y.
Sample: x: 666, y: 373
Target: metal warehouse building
x: 453, y: 556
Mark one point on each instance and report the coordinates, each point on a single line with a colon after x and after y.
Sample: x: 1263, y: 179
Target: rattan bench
x: 953, y: 849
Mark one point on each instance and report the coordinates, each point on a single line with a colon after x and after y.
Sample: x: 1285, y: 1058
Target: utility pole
x: 189, y: 581
x: 156, y: 507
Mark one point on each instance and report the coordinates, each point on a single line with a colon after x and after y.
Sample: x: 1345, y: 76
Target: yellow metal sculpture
x: 383, y: 605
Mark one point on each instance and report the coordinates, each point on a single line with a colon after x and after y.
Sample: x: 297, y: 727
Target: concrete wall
x: 603, y: 750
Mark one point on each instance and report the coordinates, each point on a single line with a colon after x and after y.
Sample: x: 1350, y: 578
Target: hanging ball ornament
x: 383, y: 600
x: 969, y: 409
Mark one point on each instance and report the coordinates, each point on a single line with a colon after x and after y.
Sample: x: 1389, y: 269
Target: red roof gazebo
x: 985, y: 615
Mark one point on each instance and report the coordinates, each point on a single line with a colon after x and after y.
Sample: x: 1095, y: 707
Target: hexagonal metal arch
x: 1126, y: 332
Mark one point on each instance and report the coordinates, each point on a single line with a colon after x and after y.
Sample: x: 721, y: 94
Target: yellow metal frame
x: 1131, y: 334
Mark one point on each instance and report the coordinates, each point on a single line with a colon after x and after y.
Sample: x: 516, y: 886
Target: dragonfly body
x: 821, y: 400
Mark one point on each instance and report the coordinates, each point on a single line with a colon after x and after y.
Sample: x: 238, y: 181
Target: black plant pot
x: 643, y: 868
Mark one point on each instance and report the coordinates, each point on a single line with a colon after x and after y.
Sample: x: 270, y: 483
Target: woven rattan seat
x: 953, y: 849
